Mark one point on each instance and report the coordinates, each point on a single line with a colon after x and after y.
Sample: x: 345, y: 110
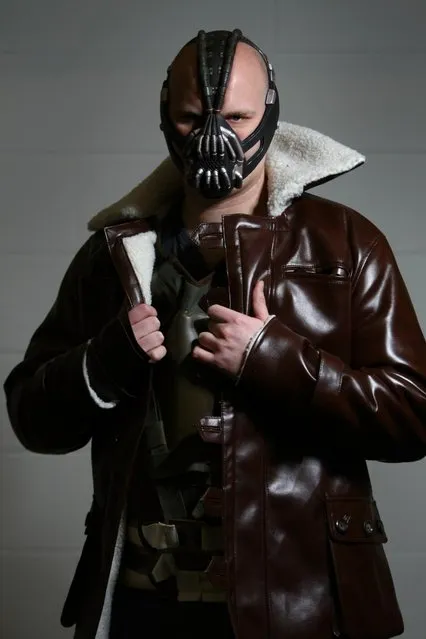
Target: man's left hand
x: 230, y: 332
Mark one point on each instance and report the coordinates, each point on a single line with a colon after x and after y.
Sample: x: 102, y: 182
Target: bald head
x: 247, y: 62
x: 244, y: 102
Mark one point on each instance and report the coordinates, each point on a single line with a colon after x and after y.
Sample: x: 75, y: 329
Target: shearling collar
x: 298, y: 159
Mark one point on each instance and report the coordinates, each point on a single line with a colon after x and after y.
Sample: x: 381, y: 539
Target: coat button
x: 368, y: 528
x: 341, y: 526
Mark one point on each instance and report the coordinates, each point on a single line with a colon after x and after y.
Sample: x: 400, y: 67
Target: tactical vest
x: 174, y: 525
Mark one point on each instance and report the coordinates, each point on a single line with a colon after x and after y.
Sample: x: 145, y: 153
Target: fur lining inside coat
x: 299, y: 158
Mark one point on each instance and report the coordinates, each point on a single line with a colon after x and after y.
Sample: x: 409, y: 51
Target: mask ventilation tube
x: 216, y: 140
x: 204, y: 71
x: 217, y: 149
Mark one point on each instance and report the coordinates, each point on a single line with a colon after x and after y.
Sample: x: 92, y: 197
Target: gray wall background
x: 79, y: 87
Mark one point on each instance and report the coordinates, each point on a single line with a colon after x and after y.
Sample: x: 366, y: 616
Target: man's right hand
x: 145, y: 326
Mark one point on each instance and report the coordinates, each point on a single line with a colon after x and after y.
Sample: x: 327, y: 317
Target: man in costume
x: 235, y: 349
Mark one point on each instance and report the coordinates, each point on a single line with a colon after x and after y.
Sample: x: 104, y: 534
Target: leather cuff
x: 280, y: 362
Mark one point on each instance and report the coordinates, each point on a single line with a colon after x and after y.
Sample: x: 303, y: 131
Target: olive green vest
x: 180, y: 466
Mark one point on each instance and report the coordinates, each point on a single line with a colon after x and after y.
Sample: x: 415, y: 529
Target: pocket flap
x: 354, y: 520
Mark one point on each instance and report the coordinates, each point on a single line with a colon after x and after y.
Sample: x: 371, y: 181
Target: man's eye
x: 235, y: 117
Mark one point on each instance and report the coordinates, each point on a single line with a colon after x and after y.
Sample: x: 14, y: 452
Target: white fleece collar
x: 297, y: 159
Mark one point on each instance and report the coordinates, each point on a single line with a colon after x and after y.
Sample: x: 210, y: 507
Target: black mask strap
x: 216, y: 53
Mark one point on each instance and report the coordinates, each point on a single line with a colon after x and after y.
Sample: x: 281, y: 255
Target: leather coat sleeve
x: 376, y: 404
x: 49, y: 404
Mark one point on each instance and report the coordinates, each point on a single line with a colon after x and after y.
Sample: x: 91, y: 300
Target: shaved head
x: 245, y: 95
x: 247, y: 61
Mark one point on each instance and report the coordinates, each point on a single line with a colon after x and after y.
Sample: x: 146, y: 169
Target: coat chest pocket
x: 315, y: 301
x: 336, y: 271
x: 365, y: 599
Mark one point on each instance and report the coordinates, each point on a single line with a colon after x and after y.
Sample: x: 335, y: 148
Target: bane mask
x: 212, y: 157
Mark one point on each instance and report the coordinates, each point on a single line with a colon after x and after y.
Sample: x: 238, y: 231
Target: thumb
x: 259, y: 303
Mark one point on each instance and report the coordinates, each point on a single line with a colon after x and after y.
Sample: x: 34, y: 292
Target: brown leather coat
x: 338, y: 377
